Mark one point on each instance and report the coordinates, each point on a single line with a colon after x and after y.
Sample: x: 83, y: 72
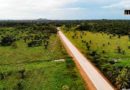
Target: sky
x: 64, y: 9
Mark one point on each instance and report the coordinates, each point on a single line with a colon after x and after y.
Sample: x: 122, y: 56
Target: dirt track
x: 92, y: 76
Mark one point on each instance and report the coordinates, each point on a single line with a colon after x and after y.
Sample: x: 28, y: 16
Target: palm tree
x: 122, y: 79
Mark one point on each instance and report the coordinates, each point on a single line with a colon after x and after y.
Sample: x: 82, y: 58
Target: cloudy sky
x: 63, y: 9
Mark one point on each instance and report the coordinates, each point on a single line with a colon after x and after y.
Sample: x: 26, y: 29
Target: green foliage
x: 34, y: 67
x: 7, y: 40
x: 122, y: 79
x: 34, y: 43
x: 14, y: 45
x: 120, y: 27
x: 69, y: 62
x: 109, y: 52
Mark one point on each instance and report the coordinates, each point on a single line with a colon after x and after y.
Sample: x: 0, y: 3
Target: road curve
x: 99, y: 82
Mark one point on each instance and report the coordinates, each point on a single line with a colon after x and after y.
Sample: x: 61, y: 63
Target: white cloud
x: 28, y: 8
x: 6, y: 5
x: 123, y: 4
x: 52, y: 9
x: 33, y: 4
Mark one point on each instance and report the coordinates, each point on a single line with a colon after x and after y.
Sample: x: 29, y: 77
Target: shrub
x: 122, y: 79
x: 108, y: 43
x: 65, y: 87
x: 2, y: 76
x: 19, y: 86
x: 93, y: 53
x: 103, y: 51
x: 128, y: 47
x: 14, y: 45
x: 69, y: 62
x: 22, y: 73
x: 119, y: 49
x: 7, y: 41
x: 46, y: 44
x: 34, y: 43
x: 103, y: 45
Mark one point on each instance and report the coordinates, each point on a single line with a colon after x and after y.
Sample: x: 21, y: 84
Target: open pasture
x: 109, y: 52
x: 27, y: 61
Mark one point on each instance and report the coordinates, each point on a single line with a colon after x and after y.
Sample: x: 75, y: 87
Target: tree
x: 118, y: 49
x: 35, y: 43
x: 83, y: 27
x: 129, y: 36
x: 7, y: 40
x: 122, y: 79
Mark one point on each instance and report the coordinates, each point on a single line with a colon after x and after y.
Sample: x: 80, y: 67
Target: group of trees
x: 113, y: 27
x: 116, y: 73
x: 32, y: 34
x: 7, y: 40
x: 38, y: 34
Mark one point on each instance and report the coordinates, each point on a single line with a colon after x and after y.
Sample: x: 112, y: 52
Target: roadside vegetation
x: 29, y: 55
x: 107, y: 45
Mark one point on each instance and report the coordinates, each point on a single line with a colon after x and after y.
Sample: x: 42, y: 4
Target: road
x: 97, y: 79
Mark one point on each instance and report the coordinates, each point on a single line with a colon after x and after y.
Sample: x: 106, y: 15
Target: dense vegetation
x: 29, y: 54
x: 107, y: 45
x: 120, y: 27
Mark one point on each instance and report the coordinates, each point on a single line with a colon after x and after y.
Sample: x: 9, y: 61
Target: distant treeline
x: 29, y: 25
x: 5, y: 23
x: 121, y: 27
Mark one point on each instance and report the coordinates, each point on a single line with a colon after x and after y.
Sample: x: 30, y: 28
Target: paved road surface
x: 97, y: 79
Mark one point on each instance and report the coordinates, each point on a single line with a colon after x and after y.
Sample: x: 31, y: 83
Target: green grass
x: 98, y: 39
x: 41, y: 76
x: 104, y: 56
x: 40, y: 70
x: 10, y: 55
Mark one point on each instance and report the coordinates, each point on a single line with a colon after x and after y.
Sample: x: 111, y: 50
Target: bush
x: 7, y: 41
x: 2, y: 76
x: 69, y: 62
x: 14, y: 45
x: 19, y: 85
x: 34, y: 43
x: 65, y: 87
x: 22, y: 73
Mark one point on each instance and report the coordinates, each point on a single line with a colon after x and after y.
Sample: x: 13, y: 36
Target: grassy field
x: 35, y: 68
x: 23, y: 54
x: 110, y: 53
x: 102, y: 42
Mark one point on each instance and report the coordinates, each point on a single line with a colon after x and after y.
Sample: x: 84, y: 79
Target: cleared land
x: 31, y: 66
x: 110, y: 53
x: 98, y: 81
x: 102, y: 42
